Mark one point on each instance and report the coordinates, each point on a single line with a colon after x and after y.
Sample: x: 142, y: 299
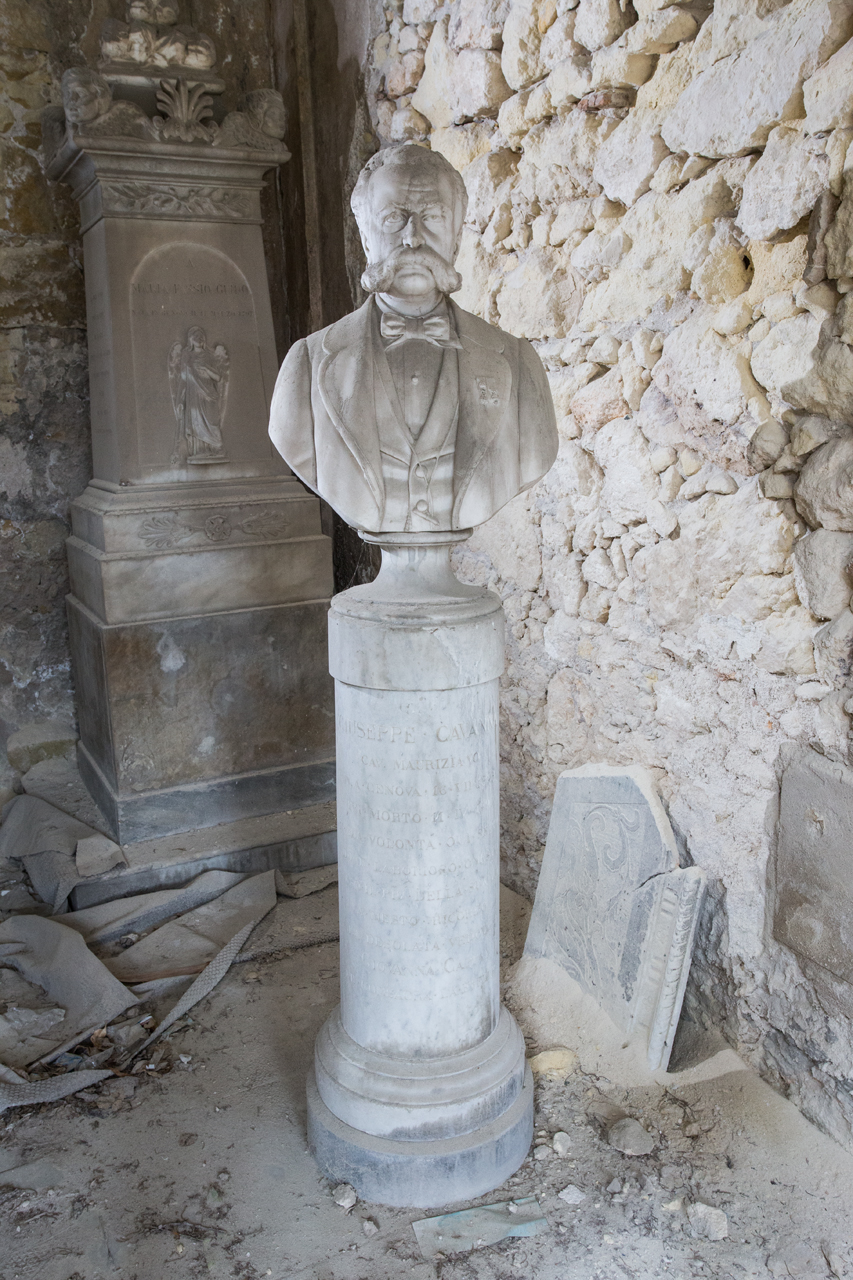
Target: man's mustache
x: 379, y: 276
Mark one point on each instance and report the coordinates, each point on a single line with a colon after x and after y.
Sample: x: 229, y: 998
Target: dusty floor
x: 199, y: 1167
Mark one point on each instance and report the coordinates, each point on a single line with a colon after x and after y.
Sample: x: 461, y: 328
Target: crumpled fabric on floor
x: 189, y: 943
x: 31, y: 825
x: 140, y: 912
x: 57, y: 959
x: 15, y: 1092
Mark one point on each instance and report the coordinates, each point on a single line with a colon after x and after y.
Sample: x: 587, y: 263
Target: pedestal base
x: 421, y: 1175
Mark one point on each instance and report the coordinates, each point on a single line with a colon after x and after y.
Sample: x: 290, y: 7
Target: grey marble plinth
x: 421, y: 1175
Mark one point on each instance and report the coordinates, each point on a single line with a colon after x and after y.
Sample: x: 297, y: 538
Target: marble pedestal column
x: 420, y: 1094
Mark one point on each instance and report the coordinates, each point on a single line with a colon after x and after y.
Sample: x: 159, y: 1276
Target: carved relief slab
x: 167, y: 200
x: 200, y: 394
x: 613, y: 908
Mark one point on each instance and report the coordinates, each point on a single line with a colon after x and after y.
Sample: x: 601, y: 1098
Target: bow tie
x: 433, y: 328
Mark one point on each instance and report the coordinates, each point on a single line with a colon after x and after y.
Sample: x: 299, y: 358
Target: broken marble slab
x: 813, y: 891
x: 485, y: 1224
x: 53, y: 875
x: 613, y: 907
x: 186, y: 945
x: 56, y: 959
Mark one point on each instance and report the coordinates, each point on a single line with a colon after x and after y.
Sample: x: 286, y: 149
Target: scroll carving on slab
x: 171, y: 529
x: 198, y: 380
x: 160, y: 199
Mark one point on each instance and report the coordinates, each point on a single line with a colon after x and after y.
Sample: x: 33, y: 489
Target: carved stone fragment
x: 613, y: 907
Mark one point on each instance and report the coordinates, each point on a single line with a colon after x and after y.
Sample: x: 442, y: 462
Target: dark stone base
x: 421, y: 1175
x: 195, y: 721
x: 146, y: 815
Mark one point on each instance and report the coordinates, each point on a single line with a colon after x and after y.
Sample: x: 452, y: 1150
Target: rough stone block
x: 732, y: 106
x: 822, y: 561
x: 813, y: 906
x: 823, y: 492
x: 599, y: 23
x: 41, y: 740
x: 628, y: 160
x: 612, y: 907
x: 784, y: 185
x: 827, y: 94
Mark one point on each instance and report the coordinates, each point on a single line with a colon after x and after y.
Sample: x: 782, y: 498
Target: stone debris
x: 97, y: 854
x: 562, y: 1143
x: 41, y: 740
x: 554, y: 1064
x: 370, y: 1226
x: 345, y: 1196
x: 572, y: 1194
x: 628, y: 1136
x: 707, y: 1222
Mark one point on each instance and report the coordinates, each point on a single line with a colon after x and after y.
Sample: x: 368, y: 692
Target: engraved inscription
x: 418, y: 821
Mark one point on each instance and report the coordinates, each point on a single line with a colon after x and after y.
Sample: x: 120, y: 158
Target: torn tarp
x: 44, y: 839
x: 57, y: 960
x: 186, y: 945
x: 32, y: 826
x: 142, y: 911
x: 15, y: 1092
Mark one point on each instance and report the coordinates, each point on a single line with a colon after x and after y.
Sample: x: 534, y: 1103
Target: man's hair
x: 406, y: 156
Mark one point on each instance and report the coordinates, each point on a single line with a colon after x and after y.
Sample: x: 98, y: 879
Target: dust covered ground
x: 197, y: 1166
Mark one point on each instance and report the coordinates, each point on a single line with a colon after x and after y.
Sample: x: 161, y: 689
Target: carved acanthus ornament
x: 185, y: 112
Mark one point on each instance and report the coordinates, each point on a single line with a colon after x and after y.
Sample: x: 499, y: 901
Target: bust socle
x: 410, y: 414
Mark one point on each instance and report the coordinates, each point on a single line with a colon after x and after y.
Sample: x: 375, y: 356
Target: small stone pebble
x: 707, y: 1222
x: 629, y: 1137
x: 542, y: 1152
x: 371, y: 1226
x: 572, y: 1194
x: 562, y: 1143
x: 344, y: 1195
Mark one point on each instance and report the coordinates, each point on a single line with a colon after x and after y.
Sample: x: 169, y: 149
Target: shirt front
x: 417, y: 438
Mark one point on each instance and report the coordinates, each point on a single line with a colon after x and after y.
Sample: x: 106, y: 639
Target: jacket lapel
x: 485, y: 390
x: 346, y: 384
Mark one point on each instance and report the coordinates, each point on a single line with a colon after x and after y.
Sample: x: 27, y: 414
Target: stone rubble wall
x: 661, y: 200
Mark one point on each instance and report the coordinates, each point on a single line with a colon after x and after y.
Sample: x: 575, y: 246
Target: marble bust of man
x: 410, y: 414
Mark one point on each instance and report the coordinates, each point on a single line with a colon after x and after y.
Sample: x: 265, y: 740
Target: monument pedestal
x: 420, y: 1094
x: 200, y: 575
